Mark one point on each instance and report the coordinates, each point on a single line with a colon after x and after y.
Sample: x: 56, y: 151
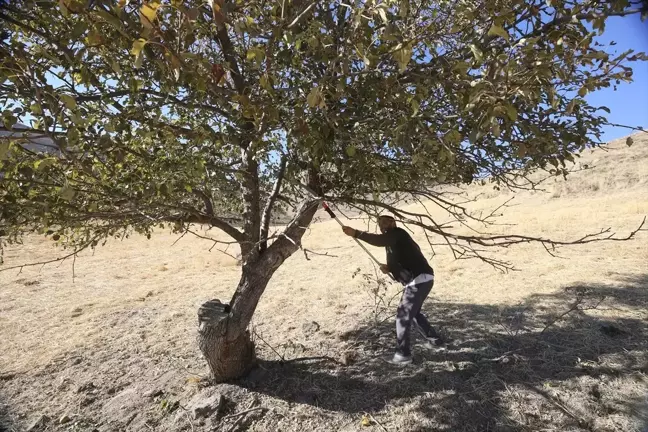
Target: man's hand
x: 384, y: 268
x: 349, y: 231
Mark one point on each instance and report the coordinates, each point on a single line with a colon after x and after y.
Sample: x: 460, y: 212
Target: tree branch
x: 267, y: 212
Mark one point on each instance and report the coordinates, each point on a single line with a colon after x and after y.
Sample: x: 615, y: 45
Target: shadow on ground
x: 510, y: 369
x: 5, y: 417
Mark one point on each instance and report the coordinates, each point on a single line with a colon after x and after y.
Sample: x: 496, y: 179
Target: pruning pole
x: 333, y: 216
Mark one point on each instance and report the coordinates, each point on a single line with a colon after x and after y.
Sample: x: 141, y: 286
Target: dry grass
x: 127, y: 323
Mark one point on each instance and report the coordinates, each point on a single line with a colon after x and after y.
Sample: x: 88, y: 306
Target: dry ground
x: 95, y: 347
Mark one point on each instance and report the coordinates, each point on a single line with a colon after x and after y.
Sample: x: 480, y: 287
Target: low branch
x: 60, y: 259
x: 464, y: 246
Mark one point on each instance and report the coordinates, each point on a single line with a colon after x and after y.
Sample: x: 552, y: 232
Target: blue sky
x: 629, y: 104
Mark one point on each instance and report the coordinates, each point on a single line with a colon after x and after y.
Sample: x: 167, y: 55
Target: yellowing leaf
x: 148, y: 13
x: 629, y: 141
x: 496, y: 30
x: 383, y: 15
x: 403, y: 55
x: 44, y: 163
x: 138, y: 46
x: 122, y: 3
x: 366, y: 421
x: 351, y: 151
x: 69, y: 101
x: 583, y: 91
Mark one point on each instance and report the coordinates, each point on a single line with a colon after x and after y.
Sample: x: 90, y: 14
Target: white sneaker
x: 399, y: 359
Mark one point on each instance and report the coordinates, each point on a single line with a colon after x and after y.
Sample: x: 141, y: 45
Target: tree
x: 176, y: 113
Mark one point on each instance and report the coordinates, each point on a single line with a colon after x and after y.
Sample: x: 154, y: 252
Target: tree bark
x: 223, y: 337
x: 226, y: 357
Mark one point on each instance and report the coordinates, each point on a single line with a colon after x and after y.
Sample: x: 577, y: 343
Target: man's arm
x: 381, y: 240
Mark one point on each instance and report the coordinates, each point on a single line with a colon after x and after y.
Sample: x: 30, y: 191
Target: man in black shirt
x: 407, y: 265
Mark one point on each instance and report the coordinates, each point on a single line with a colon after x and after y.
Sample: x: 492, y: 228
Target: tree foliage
x: 178, y: 112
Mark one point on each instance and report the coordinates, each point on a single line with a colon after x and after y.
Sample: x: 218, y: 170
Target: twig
x: 297, y: 359
x: 307, y: 251
x: 242, y: 414
x: 43, y: 263
x: 574, y: 307
x: 247, y: 411
x: 377, y: 422
x: 180, y: 238
x: 189, y: 419
x: 283, y: 359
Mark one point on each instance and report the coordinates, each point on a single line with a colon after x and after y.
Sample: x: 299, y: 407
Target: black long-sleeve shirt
x: 404, y: 258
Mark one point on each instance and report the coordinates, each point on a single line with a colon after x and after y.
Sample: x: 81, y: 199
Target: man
x: 407, y: 265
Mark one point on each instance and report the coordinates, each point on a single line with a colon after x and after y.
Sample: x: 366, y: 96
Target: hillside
x: 113, y: 348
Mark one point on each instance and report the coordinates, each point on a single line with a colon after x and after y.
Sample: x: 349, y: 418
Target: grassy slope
x: 127, y: 322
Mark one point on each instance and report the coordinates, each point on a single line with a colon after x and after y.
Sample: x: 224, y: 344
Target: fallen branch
x: 241, y: 415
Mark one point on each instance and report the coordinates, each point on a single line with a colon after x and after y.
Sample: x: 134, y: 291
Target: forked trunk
x: 223, y: 337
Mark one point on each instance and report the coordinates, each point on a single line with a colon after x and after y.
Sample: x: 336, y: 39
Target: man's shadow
x: 500, y: 351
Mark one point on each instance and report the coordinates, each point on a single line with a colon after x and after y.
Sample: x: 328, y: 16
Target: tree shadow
x: 507, y: 370
x: 6, y: 424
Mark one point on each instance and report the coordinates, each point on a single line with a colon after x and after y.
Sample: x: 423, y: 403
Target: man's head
x: 385, y: 223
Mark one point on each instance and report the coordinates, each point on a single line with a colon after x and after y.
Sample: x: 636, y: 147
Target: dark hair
x: 386, y: 217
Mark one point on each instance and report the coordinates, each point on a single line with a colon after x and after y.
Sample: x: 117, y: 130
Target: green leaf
x: 188, y: 188
x: 351, y: 151
x: 511, y: 112
x: 496, y: 130
x: 110, y: 18
x: 41, y: 164
x: 67, y: 193
x: 479, y: 55
x: 115, y: 66
x: 4, y: 149
x: 403, y: 10
x: 582, y: 92
x: 403, y: 55
x: 315, y: 98
x: 416, y: 105
x: 36, y: 109
x: 496, y: 30
x: 255, y: 53
x: 629, y: 141
x: 69, y: 101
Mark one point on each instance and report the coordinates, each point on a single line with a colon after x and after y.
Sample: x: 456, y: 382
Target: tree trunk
x: 223, y: 337
x: 229, y: 354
